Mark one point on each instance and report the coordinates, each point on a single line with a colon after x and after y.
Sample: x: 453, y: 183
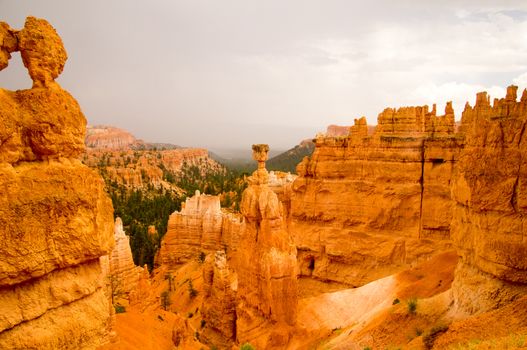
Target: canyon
x: 409, y: 234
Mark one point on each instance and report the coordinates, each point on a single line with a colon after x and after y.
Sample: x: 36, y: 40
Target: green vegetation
x: 412, y: 305
x: 191, y: 291
x: 396, y: 301
x: 211, y: 180
x: 139, y: 209
x: 247, y: 346
x: 148, y: 205
x: 288, y: 160
x: 430, y: 337
x: 165, y: 300
x: 119, y: 309
x: 201, y: 257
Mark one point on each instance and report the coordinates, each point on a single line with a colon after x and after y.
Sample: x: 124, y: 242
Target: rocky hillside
x: 288, y: 160
x: 147, y: 184
x: 112, y: 138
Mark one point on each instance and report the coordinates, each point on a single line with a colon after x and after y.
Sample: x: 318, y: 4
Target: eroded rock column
x: 266, y: 261
x: 55, y: 218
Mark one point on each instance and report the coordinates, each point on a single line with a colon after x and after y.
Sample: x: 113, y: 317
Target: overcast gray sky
x: 226, y: 74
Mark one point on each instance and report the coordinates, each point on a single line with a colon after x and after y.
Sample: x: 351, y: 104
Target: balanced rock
x: 266, y: 264
x: 55, y: 217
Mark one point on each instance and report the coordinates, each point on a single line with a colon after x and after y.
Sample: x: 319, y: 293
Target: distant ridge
x: 288, y: 160
x: 110, y: 137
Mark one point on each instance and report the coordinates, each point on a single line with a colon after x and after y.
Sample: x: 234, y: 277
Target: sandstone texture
x: 138, y: 169
x: 107, y: 137
x: 124, y: 275
x: 490, y: 193
x: 366, y: 206
x: 337, y: 130
x: 265, y: 264
x: 55, y: 218
x: 201, y: 226
x: 219, y: 303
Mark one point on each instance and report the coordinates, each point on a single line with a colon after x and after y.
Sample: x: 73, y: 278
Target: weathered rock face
x: 55, y: 218
x: 108, y: 137
x: 200, y: 226
x: 139, y: 169
x: 490, y: 193
x: 266, y: 265
x: 364, y: 207
x: 337, y: 130
x: 124, y: 275
x: 219, y: 304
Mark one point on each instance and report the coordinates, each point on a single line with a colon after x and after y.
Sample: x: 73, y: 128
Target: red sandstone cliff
x: 364, y: 207
x: 124, y: 275
x: 55, y: 218
x: 266, y: 265
x: 108, y: 137
x: 490, y: 204
x: 201, y: 226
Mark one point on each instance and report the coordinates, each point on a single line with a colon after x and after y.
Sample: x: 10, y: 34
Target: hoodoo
x: 55, y: 218
x: 266, y: 261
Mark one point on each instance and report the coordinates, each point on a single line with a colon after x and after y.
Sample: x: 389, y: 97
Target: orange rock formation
x: 55, y: 218
x: 124, y: 275
x: 266, y: 265
x: 138, y: 169
x: 364, y: 207
x: 490, y: 193
x: 107, y: 137
x: 200, y: 226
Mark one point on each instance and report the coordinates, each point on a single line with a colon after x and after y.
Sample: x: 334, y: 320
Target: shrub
x: 190, y: 314
x: 396, y: 301
x: 203, y: 323
x: 165, y: 300
x: 191, y: 291
x: 119, y: 309
x: 412, y: 305
x: 201, y: 257
x: 247, y: 346
x: 430, y: 337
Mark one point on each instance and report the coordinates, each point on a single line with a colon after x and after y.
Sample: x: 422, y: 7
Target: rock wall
x: 138, y: 169
x: 490, y: 214
x: 55, y: 218
x: 107, y: 137
x: 200, y: 226
x: 363, y: 207
x: 219, y: 303
x: 124, y: 275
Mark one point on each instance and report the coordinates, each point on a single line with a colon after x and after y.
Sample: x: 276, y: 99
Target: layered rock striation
x: 490, y: 204
x: 265, y: 264
x: 55, y: 218
x: 201, y: 226
x: 107, y: 137
x: 124, y: 275
x: 364, y: 206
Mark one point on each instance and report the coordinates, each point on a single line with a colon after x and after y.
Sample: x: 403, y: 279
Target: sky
x: 231, y: 73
